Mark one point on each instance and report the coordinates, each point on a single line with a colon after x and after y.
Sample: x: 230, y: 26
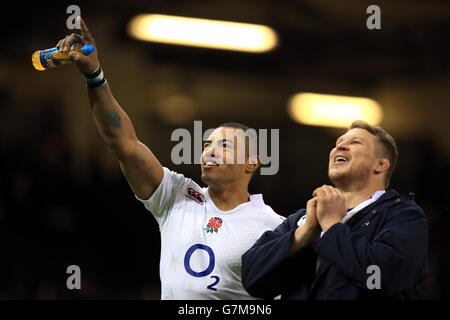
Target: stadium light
x: 333, y: 111
x: 206, y: 33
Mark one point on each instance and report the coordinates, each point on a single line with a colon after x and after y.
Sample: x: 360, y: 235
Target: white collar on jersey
x: 255, y: 199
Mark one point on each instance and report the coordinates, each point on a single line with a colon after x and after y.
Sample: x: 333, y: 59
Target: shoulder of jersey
x: 190, y: 189
x: 270, y: 211
x: 194, y: 192
x: 259, y: 203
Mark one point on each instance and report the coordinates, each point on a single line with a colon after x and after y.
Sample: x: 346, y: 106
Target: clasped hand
x: 326, y: 208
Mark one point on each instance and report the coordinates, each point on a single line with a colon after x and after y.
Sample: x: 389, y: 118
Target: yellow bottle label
x: 51, y: 58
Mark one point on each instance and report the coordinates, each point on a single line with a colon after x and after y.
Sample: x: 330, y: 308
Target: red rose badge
x: 213, y: 225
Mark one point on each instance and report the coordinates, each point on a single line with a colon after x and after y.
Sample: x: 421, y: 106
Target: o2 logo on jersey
x: 208, y: 270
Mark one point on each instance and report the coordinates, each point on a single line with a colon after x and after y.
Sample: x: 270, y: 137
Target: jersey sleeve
x: 165, y: 196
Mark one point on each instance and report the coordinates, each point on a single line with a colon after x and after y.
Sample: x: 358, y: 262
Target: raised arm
x: 140, y: 167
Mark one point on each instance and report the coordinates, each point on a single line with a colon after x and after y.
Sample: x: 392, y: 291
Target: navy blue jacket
x: 391, y: 233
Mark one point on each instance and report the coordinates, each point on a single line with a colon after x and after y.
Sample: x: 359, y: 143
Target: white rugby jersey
x: 202, y: 246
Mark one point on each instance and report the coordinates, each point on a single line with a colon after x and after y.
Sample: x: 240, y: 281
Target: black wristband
x: 95, y: 79
x: 96, y: 84
x: 93, y: 75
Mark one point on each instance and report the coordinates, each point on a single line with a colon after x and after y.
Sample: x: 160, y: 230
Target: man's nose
x: 342, y: 146
x: 210, y: 151
x: 213, y: 151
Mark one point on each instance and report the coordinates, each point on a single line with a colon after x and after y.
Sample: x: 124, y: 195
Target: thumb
x: 75, y: 56
x: 82, y: 62
x: 312, y: 203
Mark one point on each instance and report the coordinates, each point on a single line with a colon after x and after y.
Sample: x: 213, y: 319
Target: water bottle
x: 52, y: 58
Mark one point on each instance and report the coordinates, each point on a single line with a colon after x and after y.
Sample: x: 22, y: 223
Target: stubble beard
x: 349, y: 180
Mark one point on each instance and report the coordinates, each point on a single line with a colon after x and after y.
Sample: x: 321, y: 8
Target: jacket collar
x: 386, y: 198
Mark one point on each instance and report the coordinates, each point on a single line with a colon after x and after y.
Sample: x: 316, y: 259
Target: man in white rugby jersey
x: 204, y: 231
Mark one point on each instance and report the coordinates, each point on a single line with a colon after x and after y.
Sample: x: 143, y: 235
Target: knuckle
x: 73, y: 37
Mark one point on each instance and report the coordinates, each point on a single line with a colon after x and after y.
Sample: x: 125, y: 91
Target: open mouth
x: 210, y: 164
x: 340, y: 159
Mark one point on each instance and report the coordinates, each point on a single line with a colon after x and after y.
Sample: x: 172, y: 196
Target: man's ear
x: 382, y: 165
x: 253, y: 164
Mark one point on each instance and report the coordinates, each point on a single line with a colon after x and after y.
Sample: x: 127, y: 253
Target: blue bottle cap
x: 87, y: 49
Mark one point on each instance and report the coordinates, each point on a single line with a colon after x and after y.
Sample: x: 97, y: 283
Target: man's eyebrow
x: 339, y: 139
x: 351, y: 138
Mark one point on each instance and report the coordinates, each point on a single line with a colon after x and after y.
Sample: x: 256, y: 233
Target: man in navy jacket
x: 354, y: 240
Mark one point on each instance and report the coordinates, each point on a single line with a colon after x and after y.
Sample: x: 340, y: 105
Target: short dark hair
x: 235, y: 125
x: 387, y: 142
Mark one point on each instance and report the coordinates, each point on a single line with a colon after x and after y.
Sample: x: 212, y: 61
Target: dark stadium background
x: 63, y: 199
